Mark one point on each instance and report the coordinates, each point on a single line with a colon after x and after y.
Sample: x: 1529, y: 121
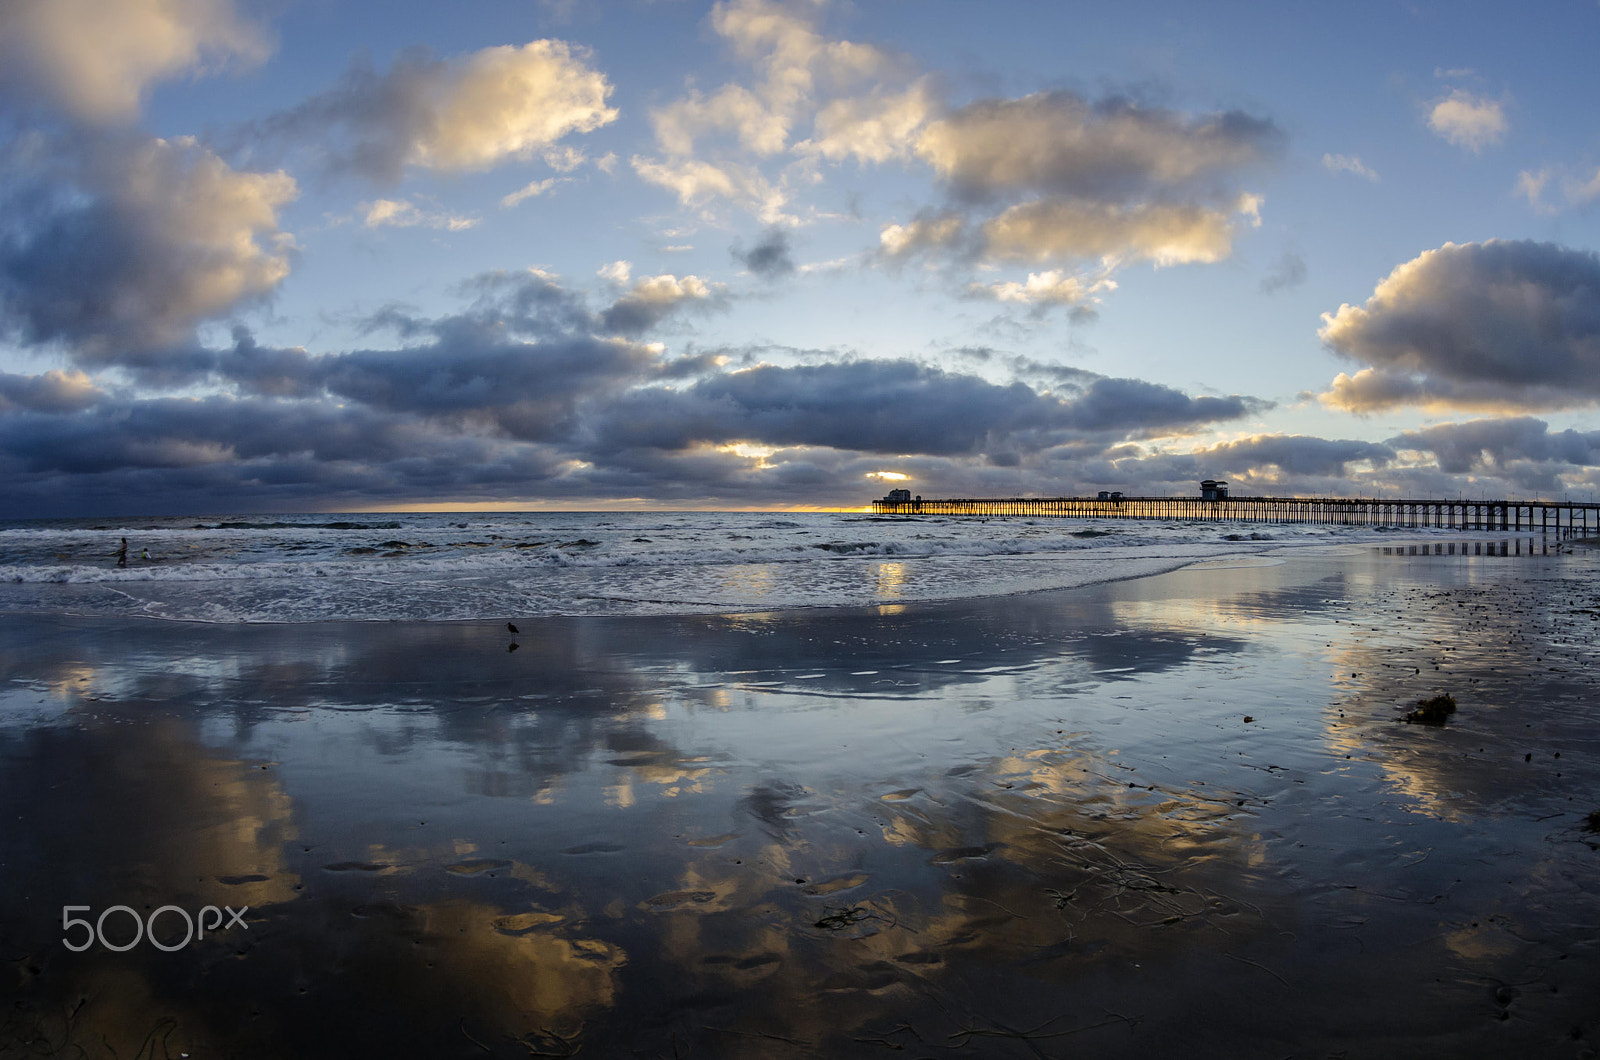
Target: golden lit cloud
x: 97, y: 58
x: 1468, y: 121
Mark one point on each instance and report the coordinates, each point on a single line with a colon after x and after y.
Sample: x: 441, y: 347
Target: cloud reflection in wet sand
x: 1006, y: 826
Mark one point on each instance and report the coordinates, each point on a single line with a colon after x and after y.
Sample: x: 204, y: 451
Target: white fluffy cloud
x: 711, y: 144
x: 872, y: 128
x: 1468, y: 121
x: 922, y: 234
x: 1500, y: 325
x: 793, y: 62
x: 96, y: 58
x: 1044, y: 289
x: 509, y: 102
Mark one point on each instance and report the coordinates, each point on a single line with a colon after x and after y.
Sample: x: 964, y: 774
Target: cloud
x: 1053, y: 180
x: 1042, y: 290
x: 792, y: 60
x: 118, y: 246
x: 528, y: 191
x: 1578, y: 190
x: 1498, y: 444
x: 391, y: 213
x: 928, y: 233
x: 652, y: 299
x: 696, y: 182
x: 711, y: 145
x: 1050, y: 180
x: 1468, y: 121
x: 1531, y: 185
x: 564, y: 159
x: 1500, y: 325
x: 96, y: 59
x: 895, y: 407
x: 1288, y: 271
x: 769, y: 258
x: 1046, y: 230
x: 1057, y: 143
x: 1348, y: 164
x: 465, y: 114
x: 54, y: 391
x: 1293, y: 454
x: 516, y: 363
x: 872, y: 128
x: 527, y: 392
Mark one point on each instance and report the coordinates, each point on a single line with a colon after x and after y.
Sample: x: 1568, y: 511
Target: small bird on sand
x: 512, y: 628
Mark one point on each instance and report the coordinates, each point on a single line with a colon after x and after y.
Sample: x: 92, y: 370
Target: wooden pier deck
x: 1562, y: 518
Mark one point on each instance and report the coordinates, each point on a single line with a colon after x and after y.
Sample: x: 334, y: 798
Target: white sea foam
x: 466, y: 566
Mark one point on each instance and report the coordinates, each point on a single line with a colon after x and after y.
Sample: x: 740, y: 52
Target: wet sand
x: 1172, y: 816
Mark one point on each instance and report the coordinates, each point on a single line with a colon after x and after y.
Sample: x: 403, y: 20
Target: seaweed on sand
x: 1433, y: 711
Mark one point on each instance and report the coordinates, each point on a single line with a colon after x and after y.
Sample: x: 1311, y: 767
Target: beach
x: 1180, y: 814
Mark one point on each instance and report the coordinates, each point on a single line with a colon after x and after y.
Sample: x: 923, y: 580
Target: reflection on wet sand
x: 1177, y: 810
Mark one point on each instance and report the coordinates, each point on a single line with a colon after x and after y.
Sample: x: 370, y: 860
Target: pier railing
x: 1564, y: 518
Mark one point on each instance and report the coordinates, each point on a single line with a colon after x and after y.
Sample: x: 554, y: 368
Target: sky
x: 330, y: 255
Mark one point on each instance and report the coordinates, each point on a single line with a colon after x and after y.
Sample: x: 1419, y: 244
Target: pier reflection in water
x: 1535, y: 545
x: 973, y: 829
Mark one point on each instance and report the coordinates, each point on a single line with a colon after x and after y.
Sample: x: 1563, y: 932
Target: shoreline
x: 958, y: 822
x: 1267, y: 547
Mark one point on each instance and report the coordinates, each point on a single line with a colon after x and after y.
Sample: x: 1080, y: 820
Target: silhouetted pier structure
x: 1562, y: 518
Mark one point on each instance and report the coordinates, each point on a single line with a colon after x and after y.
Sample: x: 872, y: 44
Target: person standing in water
x: 122, y: 554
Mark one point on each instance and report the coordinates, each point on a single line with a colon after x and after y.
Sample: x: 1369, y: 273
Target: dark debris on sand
x: 1435, y: 711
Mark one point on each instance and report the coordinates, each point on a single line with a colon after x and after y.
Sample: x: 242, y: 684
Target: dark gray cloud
x: 523, y: 394
x: 1114, y: 150
x: 176, y: 455
x: 528, y: 390
x: 894, y: 407
x: 770, y: 257
x: 516, y: 362
x: 1501, y: 325
x: 54, y: 391
x: 1135, y: 407
x: 1294, y: 454
x: 1498, y: 443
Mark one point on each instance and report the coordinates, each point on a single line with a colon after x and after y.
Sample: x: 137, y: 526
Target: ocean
x: 467, y: 566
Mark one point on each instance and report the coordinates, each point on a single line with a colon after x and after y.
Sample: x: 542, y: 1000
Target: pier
x: 1561, y: 518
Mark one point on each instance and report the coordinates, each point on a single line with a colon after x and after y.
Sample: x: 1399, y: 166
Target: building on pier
x: 1214, y: 489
